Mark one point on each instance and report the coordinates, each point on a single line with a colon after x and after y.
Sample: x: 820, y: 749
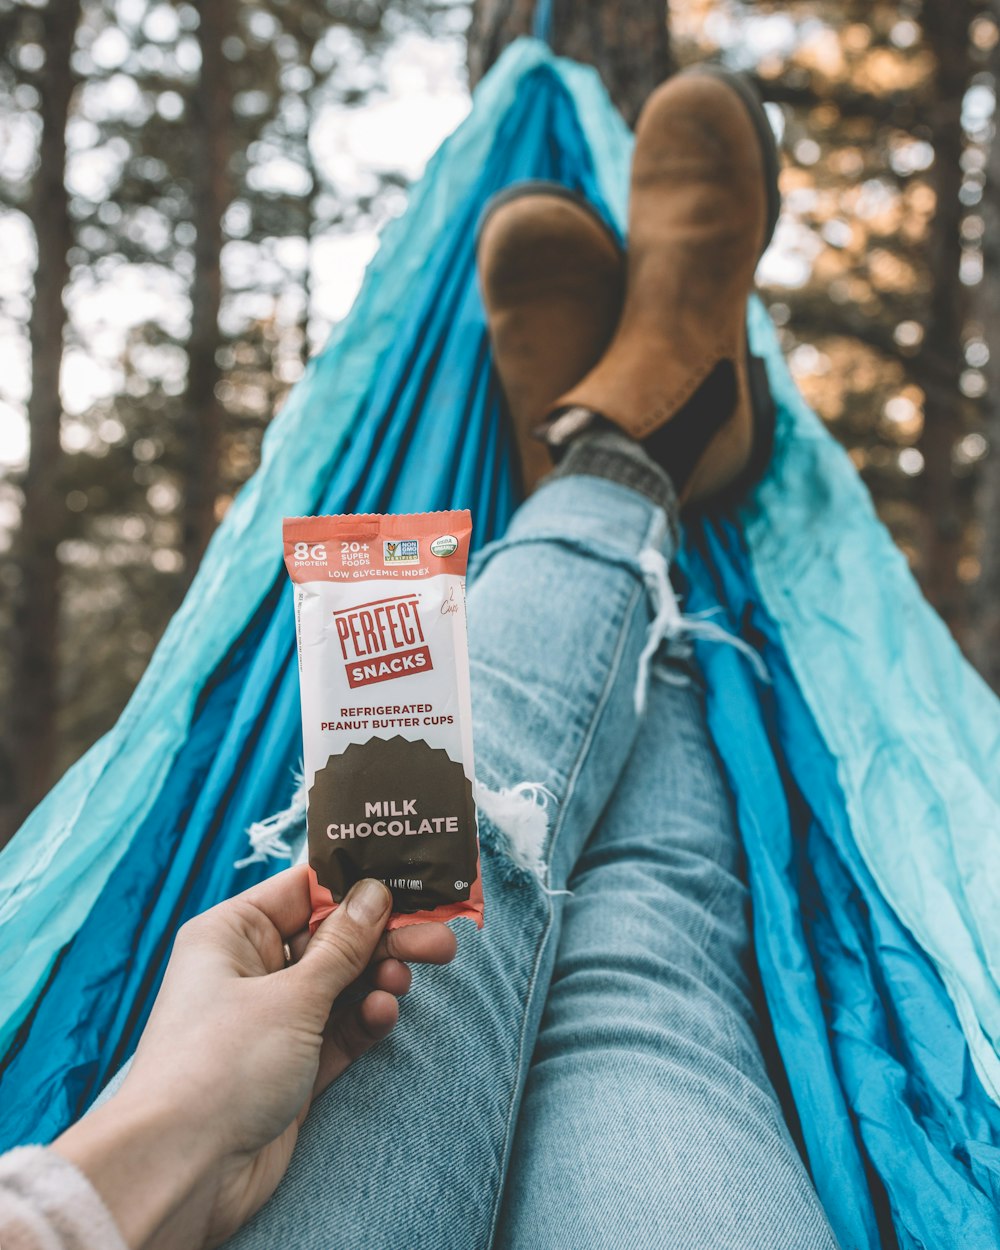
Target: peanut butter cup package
x: 387, y: 710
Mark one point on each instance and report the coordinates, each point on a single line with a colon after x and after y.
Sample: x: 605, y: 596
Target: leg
x: 410, y: 1146
x: 648, y: 1119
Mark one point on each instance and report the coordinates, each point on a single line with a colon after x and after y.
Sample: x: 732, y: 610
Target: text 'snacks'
x: 386, y: 709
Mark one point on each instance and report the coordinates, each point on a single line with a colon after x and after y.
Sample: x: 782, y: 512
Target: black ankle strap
x: 564, y: 425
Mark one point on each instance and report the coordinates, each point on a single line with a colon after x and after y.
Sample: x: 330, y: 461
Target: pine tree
x: 984, y: 632
x: 34, y: 697
x: 938, y: 367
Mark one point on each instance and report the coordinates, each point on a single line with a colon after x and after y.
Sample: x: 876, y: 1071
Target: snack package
x: 387, y: 710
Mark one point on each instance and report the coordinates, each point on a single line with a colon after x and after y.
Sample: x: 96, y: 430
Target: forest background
x: 189, y: 195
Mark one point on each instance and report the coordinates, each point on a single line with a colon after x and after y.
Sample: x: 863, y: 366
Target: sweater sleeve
x: 48, y: 1204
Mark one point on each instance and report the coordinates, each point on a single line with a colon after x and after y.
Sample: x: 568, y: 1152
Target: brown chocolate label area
x: 397, y: 810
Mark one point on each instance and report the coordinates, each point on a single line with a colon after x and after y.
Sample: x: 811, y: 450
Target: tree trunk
x: 310, y: 214
x: 626, y: 40
x: 939, y: 365
x: 34, y: 689
x: 211, y: 138
x: 983, y: 638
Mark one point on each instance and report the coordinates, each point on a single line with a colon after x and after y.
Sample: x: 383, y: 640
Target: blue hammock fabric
x: 864, y: 772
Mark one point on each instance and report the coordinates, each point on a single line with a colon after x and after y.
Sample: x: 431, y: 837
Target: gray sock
x: 603, y: 450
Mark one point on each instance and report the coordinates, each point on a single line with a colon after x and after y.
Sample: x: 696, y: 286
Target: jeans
x: 586, y: 1073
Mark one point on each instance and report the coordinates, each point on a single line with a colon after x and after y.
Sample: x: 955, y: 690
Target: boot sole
x: 541, y: 186
x: 532, y: 188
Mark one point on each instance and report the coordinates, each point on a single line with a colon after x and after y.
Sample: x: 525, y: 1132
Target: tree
x: 627, y: 41
x: 34, y: 690
x: 984, y: 632
x: 211, y: 132
x: 938, y: 367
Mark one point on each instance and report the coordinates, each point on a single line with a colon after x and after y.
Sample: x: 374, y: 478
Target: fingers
x: 430, y: 943
x: 283, y: 898
x: 297, y: 945
x: 352, y: 1032
x: 392, y: 976
x: 388, y: 974
x: 244, y: 934
x: 343, y: 945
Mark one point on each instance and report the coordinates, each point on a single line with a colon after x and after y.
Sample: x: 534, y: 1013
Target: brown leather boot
x: 677, y: 374
x: 552, y: 275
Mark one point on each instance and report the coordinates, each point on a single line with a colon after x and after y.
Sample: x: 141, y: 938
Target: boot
x: 551, y: 274
x: 678, y: 375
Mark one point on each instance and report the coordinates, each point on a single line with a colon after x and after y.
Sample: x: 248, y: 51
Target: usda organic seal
x: 446, y: 545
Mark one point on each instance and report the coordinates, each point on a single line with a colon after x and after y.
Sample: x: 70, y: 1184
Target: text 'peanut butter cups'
x: 387, y: 709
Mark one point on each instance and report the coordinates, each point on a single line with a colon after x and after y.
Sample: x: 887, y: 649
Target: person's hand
x: 237, y: 1046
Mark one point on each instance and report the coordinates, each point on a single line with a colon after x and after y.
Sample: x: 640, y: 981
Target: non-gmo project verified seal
x: 401, y: 551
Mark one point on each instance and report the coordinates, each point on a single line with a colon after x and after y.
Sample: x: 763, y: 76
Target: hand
x: 236, y: 1048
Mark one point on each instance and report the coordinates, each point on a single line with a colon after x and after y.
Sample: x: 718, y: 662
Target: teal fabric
x: 915, y: 731
x: 55, y: 867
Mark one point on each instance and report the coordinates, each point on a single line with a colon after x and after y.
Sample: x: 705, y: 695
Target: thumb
x: 343, y: 945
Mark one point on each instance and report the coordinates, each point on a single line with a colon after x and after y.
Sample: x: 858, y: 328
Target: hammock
x: 865, y: 772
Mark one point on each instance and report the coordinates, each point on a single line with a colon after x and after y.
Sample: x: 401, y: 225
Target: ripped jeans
x: 586, y: 1073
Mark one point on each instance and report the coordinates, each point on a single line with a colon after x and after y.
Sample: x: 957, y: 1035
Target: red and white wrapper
x: 387, y: 710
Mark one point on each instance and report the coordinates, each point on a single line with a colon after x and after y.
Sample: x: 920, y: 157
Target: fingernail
x: 368, y: 901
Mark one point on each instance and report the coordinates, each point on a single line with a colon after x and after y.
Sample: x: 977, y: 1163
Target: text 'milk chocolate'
x: 386, y: 709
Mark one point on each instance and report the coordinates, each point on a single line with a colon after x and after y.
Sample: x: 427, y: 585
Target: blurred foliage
x: 121, y: 491
x: 876, y: 278
x: 877, y: 130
